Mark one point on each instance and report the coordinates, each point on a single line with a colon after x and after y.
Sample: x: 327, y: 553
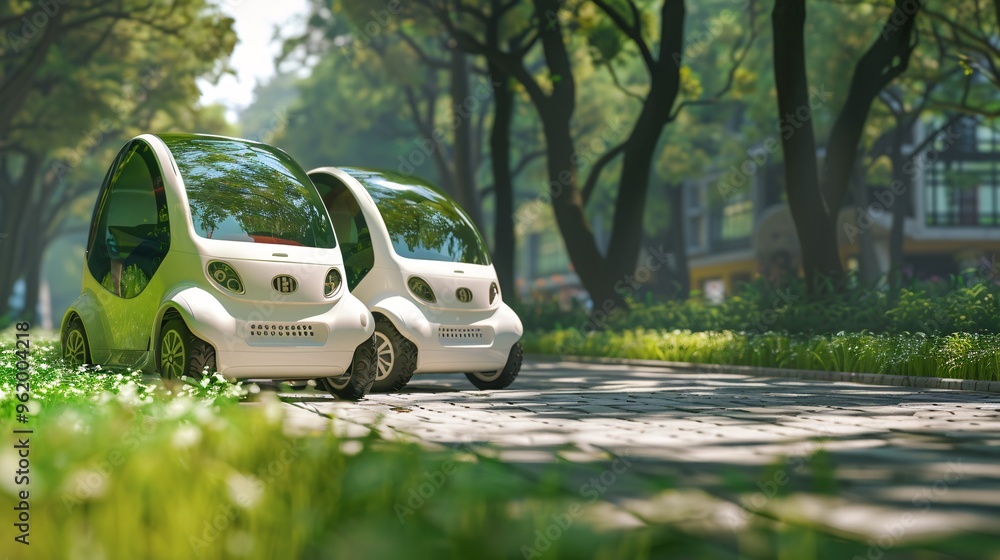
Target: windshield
x: 246, y: 191
x: 423, y: 223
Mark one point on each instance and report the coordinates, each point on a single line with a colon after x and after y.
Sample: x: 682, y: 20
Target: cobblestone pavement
x: 894, y: 463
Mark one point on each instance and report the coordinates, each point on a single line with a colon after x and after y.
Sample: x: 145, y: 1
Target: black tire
x: 502, y: 377
x: 396, y: 358
x: 359, y: 378
x: 75, y: 346
x: 180, y: 353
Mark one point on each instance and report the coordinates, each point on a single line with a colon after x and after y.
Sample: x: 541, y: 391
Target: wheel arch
x: 170, y: 310
x: 405, y: 316
x: 67, y: 320
x: 89, y: 312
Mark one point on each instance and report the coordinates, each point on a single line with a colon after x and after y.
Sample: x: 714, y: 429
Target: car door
x: 130, y: 240
x: 349, y: 225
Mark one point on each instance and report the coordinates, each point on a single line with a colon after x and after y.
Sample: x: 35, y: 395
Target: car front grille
x: 271, y: 333
x: 464, y: 336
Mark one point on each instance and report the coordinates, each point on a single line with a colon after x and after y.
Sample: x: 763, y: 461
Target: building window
x: 963, y: 193
x: 963, y: 186
x: 694, y: 222
x: 737, y: 219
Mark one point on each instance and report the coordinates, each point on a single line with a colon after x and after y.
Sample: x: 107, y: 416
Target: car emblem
x: 464, y: 295
x: 284, y: 284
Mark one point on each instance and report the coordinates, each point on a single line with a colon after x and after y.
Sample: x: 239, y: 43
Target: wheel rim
x: 340, y: 381
x: 385, y: 356
x: 172, y: 355
x: 76, y: 348
x: 489, y: 376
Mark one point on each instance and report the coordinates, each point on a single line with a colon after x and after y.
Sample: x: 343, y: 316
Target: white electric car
x: 416, y: 260
x: 216, y: 254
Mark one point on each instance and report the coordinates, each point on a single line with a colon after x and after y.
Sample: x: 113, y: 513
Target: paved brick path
x: 888, y: 462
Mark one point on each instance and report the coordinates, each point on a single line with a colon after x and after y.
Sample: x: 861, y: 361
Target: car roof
x: 177, y: 137
x: 391, y: 180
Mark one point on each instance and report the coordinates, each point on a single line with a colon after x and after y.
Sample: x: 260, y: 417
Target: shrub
x: 930, y: 308
x: 960, y: 355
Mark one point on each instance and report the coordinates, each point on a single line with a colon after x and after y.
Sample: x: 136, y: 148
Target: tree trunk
x: 633, y: 186
x: 32, y: 268
x: 424, y: 120
x: 815, y: 204
x: 887, y: 57
x: 868, y: 267
x: 681, y: 269
x: 673, y: 279
x: 900, y: 208
x: 556, y: 113
x: 16, y: 217
x: 630, y: 203
x: 16, y: 88
x: 503, y: 184
x: 814, y: 221
x: 465, y: 174
x: 555, y: 109
x: 568, y: 208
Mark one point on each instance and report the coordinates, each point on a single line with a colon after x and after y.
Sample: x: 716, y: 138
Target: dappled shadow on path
x: 843, y: 457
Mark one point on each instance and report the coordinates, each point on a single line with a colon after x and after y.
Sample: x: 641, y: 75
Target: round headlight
x: 421, y: 289
x: 225, y: 276
x: 494, y: 292
x: 332, y: 283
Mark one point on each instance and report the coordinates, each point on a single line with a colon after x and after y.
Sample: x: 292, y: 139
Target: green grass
x: 935, y: 309
x: 935, y: 329
x: 961, y: 355
x: 120, y: 469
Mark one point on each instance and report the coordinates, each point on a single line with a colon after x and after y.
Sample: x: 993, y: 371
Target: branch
x: 526, y: 159
x: 887, y: 58
x: 737, y: 56
x: 933, y: 136
x: 620, y: 86
x: 510, y: 62
x: 434, y: 63
x: 411, y: 101
x: 633, y: 31
x: 595, y: 171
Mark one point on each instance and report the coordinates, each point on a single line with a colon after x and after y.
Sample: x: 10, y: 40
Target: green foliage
x: 960, y: 355
x: 54, y: 385
x: 361, y: 116
x: 929, y: 308
x: 108, y: 282
x: 134, y: 281
x: 85, y: 76
x: 935, y: 329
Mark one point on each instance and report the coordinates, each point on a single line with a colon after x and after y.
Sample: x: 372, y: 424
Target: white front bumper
x: 280, y: 341
x: 455, y: 342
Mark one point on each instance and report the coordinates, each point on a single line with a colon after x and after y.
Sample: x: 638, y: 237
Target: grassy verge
x: 961, y: 355
x: 933, y: 308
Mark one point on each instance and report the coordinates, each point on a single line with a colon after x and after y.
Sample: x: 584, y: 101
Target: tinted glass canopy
x: 423, y: 223
x: 246, y: 191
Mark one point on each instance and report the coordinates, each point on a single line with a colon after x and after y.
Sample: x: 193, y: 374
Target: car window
x: 132, y: 233
x: 423, y: 223
x: 350, y: 225
x: 245, y: 191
